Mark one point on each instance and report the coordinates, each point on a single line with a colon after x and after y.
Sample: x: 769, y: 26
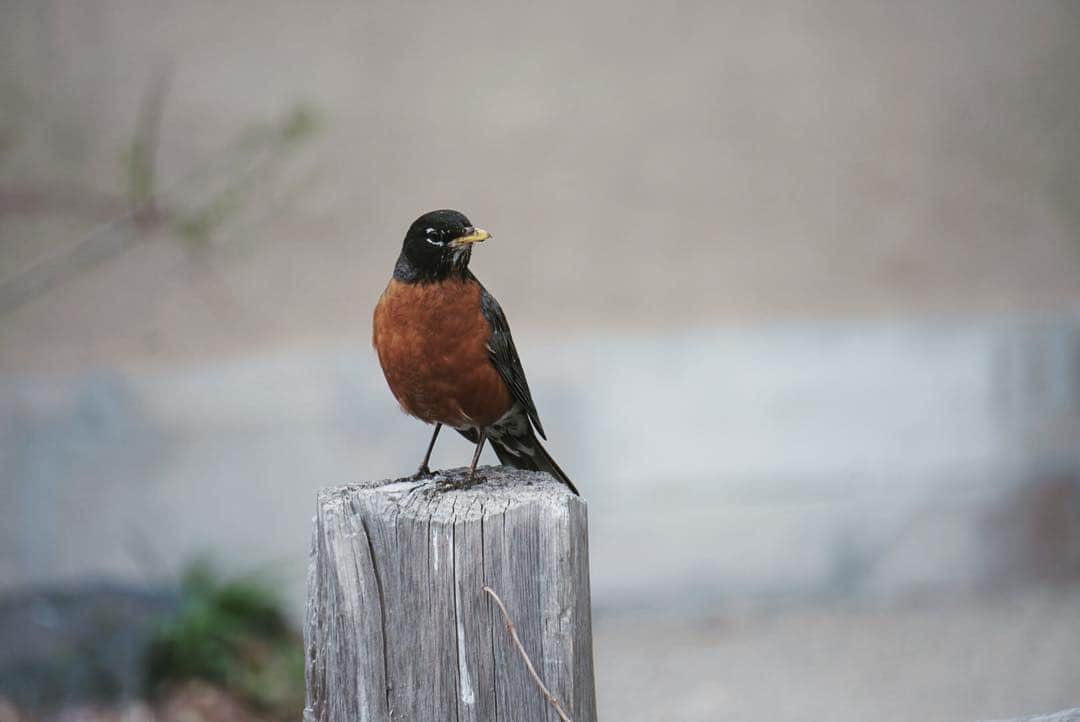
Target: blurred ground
x: 191, y: 702
x: 936, y: 659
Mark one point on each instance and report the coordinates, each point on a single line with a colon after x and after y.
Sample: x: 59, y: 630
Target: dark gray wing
x: 505, y: 357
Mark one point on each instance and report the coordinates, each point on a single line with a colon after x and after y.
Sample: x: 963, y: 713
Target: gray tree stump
x: 398, y: 625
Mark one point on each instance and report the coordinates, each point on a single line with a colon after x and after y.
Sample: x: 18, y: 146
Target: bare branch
x: 142, y: 175
x: 552, y: 699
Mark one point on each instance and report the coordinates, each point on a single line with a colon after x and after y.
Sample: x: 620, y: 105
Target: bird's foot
x: 459, y: 483
x: 474, y: 479
x: 422, y: 474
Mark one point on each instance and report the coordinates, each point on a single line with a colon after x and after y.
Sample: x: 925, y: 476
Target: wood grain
x: 398, y: 625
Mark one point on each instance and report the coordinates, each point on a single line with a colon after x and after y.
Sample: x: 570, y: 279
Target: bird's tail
x: 523, y: 451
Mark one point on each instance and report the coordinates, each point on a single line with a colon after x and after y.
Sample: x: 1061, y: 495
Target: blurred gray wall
x: 796, y: 283
x: 785, y: 460
x: 639, y: 164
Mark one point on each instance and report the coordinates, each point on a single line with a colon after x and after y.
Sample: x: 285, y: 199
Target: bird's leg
x: 476, y: 454
x: 424, y: 472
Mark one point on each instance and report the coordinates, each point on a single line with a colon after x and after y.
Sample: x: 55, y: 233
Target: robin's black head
x: 437, y: 246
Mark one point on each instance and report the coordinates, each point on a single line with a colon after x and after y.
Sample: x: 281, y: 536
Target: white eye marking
x: 427, y: 237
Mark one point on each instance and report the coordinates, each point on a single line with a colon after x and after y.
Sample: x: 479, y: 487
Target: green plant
x: 252, y: 162
x: 233, y: 633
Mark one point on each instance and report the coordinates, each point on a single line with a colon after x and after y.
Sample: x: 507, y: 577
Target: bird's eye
x: 434, y: 236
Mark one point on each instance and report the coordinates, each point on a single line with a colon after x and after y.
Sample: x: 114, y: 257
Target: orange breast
x: 432, y: 343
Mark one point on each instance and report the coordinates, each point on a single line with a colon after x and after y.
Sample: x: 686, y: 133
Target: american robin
x: 446, y: 350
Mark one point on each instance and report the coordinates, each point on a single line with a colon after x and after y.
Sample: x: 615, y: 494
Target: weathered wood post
x: 399, y: 626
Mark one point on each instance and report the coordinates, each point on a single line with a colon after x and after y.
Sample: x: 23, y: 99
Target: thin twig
x: 528, y: 662
x: 142, y: 165
x: 124, y: 232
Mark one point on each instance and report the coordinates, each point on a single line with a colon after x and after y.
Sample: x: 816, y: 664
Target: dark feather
x: 505, y: 357
x: 517, y: 446
x: 539, y: 460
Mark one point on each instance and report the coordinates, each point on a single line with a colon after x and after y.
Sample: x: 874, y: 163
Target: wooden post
x: 399, y: 627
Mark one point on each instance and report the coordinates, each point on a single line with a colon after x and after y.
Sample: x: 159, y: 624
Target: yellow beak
x: 477, y: 235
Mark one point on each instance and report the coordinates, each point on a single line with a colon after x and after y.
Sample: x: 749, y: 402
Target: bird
x: 446, y: 351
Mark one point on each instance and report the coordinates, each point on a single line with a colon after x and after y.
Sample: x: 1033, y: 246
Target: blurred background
x: 797, y: 286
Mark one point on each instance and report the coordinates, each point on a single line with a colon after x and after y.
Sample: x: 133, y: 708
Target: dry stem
x: 528, y: 662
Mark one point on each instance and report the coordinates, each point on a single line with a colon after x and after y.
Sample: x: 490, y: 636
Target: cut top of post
x: 438, y: 499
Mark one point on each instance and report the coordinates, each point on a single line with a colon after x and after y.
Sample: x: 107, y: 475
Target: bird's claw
x: 462, y: 483
x: 422, y: 474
